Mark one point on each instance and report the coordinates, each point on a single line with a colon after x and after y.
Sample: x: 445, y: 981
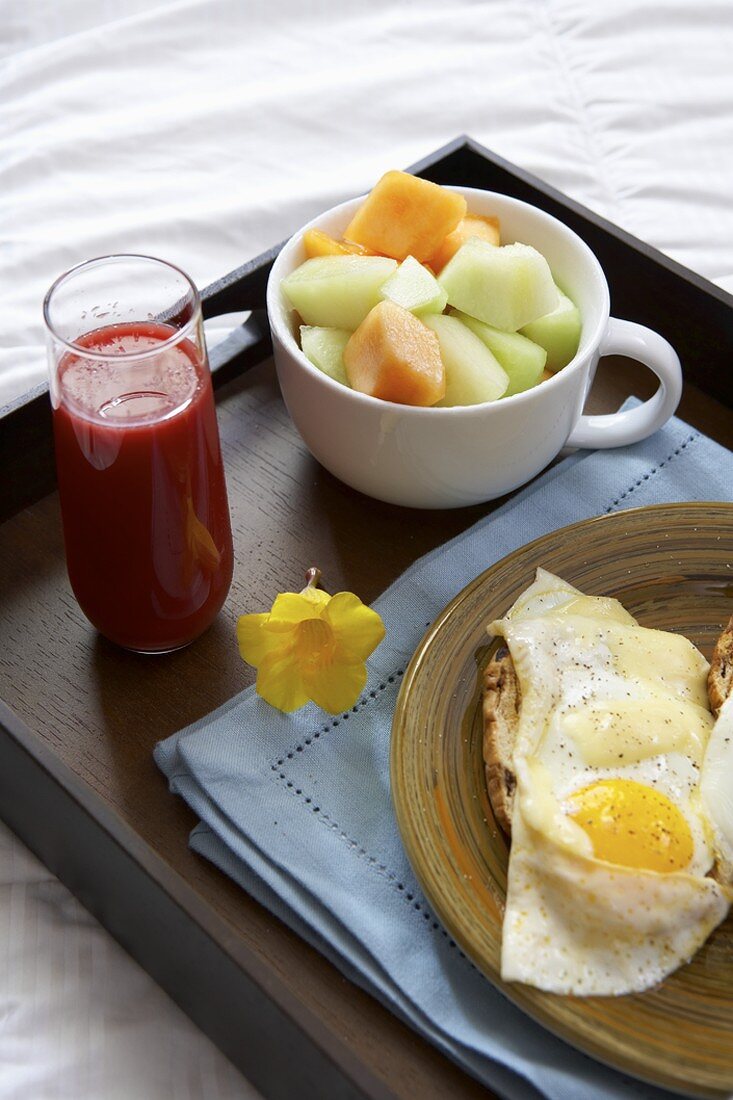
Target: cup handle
x: 621, y: 428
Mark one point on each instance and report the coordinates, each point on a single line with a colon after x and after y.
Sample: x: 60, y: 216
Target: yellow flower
x: 311, y: 646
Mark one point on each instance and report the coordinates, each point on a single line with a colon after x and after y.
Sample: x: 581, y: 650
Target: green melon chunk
x: 337, y: 291
x: 521, y: 359
x: 472, y: 374
x: 414, y: 288
x: 557, y: 332
x: 506, y: 286
x: 325, y: 349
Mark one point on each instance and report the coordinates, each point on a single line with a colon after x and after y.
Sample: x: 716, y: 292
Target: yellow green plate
x: 672, y: 567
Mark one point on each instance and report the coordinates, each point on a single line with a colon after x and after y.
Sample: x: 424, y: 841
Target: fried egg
x: 608, y: 888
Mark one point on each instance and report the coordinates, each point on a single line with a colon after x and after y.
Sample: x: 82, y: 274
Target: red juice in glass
x: 141, y: 482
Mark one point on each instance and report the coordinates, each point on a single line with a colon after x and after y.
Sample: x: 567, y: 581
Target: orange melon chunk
x: 394, y: 356
x: 473, y: 225
x: 406, y: 216
x: 318, y: 243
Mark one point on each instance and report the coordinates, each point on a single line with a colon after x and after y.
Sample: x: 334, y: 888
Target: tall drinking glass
x: 141, y: 481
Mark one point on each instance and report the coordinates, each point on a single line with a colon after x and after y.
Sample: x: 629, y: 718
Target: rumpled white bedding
x: 206, y: 131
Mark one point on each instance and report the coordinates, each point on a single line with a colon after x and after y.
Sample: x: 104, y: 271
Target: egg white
x: 716, y: 788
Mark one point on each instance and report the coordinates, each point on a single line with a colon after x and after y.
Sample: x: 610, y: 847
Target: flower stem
x: 313, y: 577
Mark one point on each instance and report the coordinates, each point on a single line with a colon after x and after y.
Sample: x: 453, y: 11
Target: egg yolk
x: 632, y: 825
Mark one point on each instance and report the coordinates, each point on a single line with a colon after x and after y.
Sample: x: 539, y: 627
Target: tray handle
x: 240, y: 290
x: 245, y: 346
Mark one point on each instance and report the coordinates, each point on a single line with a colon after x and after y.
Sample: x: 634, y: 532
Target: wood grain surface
x: 101, y: 710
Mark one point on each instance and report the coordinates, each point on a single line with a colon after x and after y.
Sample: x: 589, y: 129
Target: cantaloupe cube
x: 337, y: 291
x: 506, y: 287
x: 406, y: 216
x: 318, y: 243
x: 325, y: 349
x: 392, y: 355
x: 473, y: 225
x: 415, y: 288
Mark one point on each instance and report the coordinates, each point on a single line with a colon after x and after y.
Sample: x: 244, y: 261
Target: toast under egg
x: 720, y: 677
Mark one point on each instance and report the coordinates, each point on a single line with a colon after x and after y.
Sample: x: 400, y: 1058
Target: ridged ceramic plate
x: 672, y: 567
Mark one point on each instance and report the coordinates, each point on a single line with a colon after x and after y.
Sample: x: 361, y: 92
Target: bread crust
x: 501, y: 703
x: 720, y: 677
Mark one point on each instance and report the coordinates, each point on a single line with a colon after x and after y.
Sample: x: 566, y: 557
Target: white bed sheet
x: 206, y: 131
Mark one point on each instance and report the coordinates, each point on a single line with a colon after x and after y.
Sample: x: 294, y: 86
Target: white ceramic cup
x: 447, y: 458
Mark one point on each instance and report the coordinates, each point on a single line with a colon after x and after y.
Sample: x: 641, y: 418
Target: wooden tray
x: 79, y: 718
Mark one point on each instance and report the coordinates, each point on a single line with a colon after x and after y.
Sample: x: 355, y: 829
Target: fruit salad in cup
x: 419, y: 303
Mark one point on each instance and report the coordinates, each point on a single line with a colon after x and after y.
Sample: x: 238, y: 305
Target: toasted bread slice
x: 720, y: 677
x: 501, y: 703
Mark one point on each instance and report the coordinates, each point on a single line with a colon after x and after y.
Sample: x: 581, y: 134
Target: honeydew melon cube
x: 506, y: 286
x: 414, y: 288
x: 523, y: 361
x: 325, y: 349
x: 337, y: 291
x: 472, y: 373
x: 557, y: 332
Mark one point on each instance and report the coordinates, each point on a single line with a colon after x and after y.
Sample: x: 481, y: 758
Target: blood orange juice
x: 141, y: 482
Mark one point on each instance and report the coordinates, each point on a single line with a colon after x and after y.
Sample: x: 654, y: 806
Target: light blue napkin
x: 296, y: 808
